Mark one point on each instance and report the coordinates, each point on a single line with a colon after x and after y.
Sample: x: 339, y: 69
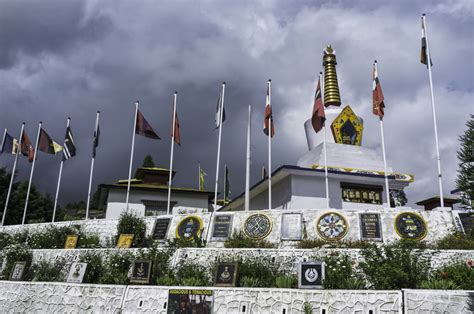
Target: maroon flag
x: 144, y: 128
x: 27, y: 148
x: 318, y: 118
x: 268, y: 115
x: 175, y: 135
x: 424, y: 54
x: 377, y: 94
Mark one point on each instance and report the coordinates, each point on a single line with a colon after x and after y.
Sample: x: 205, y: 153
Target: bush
x: 47, y: 271
x: 263, y: 273
x: 189, y: 274
x: 439, y: 284
x: 177, y: 243
x: 16, y: 253
x: 129, y: 223
x: 240, y: 240
x: 161, y: 263
x: 395, y: 266
x: 88, y: 241
x: 460, y: 273
x: 115, y: 269
x: 286, y: 282
x: 247, y: 281
x: 52, y: 237
x: 319, y: 243
x: 5, y: 240
x: 340, y: 273
x: 94, y: 268
x: 456, y: 241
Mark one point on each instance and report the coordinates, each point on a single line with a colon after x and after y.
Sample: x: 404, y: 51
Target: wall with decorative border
x: 438, y: 301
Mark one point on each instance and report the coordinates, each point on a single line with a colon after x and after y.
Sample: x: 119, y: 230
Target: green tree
x: 148, y: 162
x: 465, y: 178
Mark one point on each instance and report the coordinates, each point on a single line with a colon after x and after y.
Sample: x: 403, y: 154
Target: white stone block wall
x: 438, y: 301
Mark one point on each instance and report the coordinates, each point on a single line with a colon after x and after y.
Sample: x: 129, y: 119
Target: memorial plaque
x: 161, y: 228
x: 257, y: 226
x: 77, y: 272
x: 410, y: 226
x: 291, y: 226
x: 467, y: 222
x: 71, y: 241
x: 332, y: 226
x: 17, y: 271
x: 222, y: 227
x: 310, y: 275
x: 141, y: 271
x: 125, y: 241
x: 370, y: 227
x: 189, y: 227
x: 190, y: 301
x: 226, y: 275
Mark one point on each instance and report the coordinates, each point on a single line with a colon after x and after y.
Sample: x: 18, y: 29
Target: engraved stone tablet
x: 410, y: 226
x: 370, y: 227
x: 467, y: 222
x: 222, y: 227
x: 291, y: 226
x: 257, y: 226
x: 161, y: 228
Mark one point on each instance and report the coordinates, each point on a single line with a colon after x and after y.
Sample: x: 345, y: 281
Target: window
x: 157, y: 208
x: 361, y: 193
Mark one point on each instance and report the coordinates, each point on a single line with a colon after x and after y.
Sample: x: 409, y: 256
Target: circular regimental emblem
x: 257, y: 226
x: 189, y: 227
x: 410, y: 226
x: 332, y: 226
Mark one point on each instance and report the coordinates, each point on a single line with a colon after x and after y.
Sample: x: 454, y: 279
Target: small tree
x: 148, y: 162
x: 465, y: 178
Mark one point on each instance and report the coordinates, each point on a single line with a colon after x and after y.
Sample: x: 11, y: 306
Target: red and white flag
x: 318, y: 117
x: 377, y: 94
x: 268, y: 115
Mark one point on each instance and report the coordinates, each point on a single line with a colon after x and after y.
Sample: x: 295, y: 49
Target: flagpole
x: 219, y: 146
x: 433, y: 109
x: 92, y: 166
x: 326, y: 177
x: 171, y: 156
x: 131, y: 155
x: 247, y: 165
x: 270, y: 146
x: 31, y: 173
x: 13, y: 171
x: 59, y: 177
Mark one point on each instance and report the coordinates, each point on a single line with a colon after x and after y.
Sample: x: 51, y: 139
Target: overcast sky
x: 72, y: 58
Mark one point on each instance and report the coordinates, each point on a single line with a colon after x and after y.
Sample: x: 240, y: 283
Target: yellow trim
x: 340, y: 237
x: 262, y: 237
x: 351, y: 170
x: 201, y: 224
x: 413, y: 214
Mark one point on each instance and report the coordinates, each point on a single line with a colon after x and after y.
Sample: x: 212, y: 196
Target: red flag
x: 377, y: 94
x: 27, y: 148
x: 175, y: 135
x: 318, y: 118
x: 268, y: 115
x: 144, y: 128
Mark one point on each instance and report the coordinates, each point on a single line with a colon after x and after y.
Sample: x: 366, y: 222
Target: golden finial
x: 332, y: 97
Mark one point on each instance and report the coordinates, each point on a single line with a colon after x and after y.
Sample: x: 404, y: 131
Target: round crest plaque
x: 410, y: 226
x: 332, y: 226
x: 189, y: 227
x: 257, y: 226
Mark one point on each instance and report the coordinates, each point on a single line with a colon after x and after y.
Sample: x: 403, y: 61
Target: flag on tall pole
x: 220, y: 117
x: 226, y: 185
x: 174, y: 138
x: 12, y: 178
x: 264, y: 173
x: 95, y: 144
x: 202, y: 176
x: 378, y: 105
x: 9, y: 144
x: 425, y: 56
x: 69, y: 151
x: 247, y: 164
x: 35, y: 150
x: 318, y: 117
x: 27, y: 149
x: 269, y: 130
x: 47, y: 145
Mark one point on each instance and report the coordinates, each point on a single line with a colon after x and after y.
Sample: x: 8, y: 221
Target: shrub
x: 340, y: 273
x: 5, y: 240
x: 129, y: 223
x: 177, y: 243
x: 88, y: 241
x: 247, y: 281
x: 94, y: 266
x: 439, y: 284
x: 319, y: 243
x: 240, y: 240
x: 189, y: 274
x: 286, y: 282
x: 52, y: 237
x: 263, y: 273
x: 161, y: 262
x: 47, y: 271
x: 456, y: 241
x: 115, y: 269
x: 166, y: 280
x: 16, y: 253
x: 395, y: 266
x: 460, y: 273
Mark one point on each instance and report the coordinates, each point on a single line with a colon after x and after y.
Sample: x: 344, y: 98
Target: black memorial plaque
x: 226, y: 275
x: 310, y: 275
x: 370, y: 227
x: 222, y: 224
x: 141, y: 271
x: 467, y: 222
x: 161, y: 228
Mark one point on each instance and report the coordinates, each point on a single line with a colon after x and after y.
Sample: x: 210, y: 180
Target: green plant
x: 247, y: 281
x: 5, y: 240
x: 340, y: 273
x: 161, y: 261
x: 115, y: 268
x: 166, y: 280
x: 47, y: 271
x: 439, y: 284
x: 88, y: 241
x: 52, y: 237
x: 319, y: 243
x: 264, y: 273
x: 395, y: 266
x: 129, y: 223
x: 307, y: 307
x: 466, y: 166
x: 177, y: 243
x: 460, y: 273
x: 240, y: 240
x: 94, y: 266
x: 189, y: 274
x: 456, y: 241
x: 16, y: 253
x: 286, y: 282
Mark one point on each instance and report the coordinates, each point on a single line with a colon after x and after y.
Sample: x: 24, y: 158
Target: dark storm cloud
x: 67, y: 58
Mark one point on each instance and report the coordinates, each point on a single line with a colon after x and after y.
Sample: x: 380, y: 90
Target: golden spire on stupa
x: 332, y: 97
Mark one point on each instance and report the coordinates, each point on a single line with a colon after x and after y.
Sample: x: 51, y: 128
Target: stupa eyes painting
x: 332, y: 227
x: 257, y: 226
x: 347, y: 128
